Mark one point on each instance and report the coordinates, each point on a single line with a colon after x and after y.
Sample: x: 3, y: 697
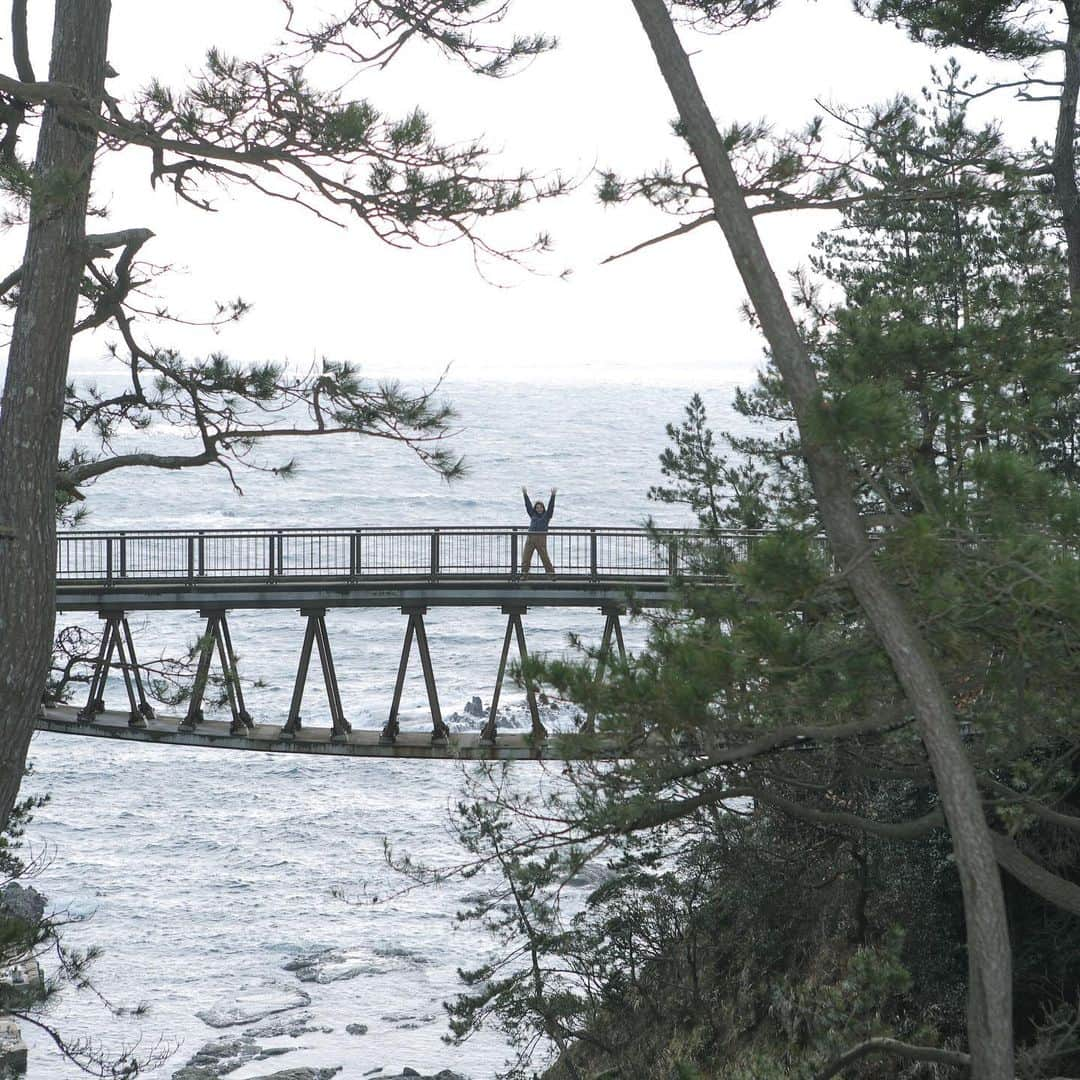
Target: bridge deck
x: 299, y: 592
x: 267, y: 738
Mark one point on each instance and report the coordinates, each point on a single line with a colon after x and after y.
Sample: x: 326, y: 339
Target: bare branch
x: 20, y: 46
x: 97, y: 246
x: 894, y: 1048
x: 1052, y: 888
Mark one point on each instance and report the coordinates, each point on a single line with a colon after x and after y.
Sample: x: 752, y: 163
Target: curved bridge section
x: 214, y: 572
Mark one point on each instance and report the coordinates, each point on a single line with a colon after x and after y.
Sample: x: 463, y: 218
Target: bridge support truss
x: 315, y: 635
x: 217, y: 638
x: 415, y: 628
x: 117, y: 650
x: 514, y: 628
x: 116, y: 641
x: 612, y: 627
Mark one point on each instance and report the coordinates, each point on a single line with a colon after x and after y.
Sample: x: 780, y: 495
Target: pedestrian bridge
x: 215, y: 571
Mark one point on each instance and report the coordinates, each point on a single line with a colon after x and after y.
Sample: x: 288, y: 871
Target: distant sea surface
x: 202, y: 873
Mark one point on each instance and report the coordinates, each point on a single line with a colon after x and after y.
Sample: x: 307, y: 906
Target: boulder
x: 12, y: 1049
x: 253, y: 1003
x: 474, y: 707
x: 25, y: 904
x: 293, y: 1026
x: 214, y: 1059
x: 411, y: 1074
x: 331, y: 965
x: 302, y: 1074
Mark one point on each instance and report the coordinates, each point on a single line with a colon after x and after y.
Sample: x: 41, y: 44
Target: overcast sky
x: 668, y: 316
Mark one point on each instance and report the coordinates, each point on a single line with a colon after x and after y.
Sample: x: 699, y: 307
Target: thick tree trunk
x: 989, y: 954
x: 31, y: 414
x: 1063, y: 163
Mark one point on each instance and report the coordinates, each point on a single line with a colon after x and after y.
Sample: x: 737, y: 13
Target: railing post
x: 202, y: 555
x: 108, y: 558
x: 513, y: 552
x: 191, y: 558
x: 435, y: 553
x: 123, y: 555
x: 593, y: 561
x: 673, y: 556
x: 354, y: 554
x: 279, y: 544
x: 270, y: 557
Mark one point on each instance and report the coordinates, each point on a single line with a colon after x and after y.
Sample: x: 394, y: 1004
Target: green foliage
x: 782, y: 822
x: 1005, y: 29
x: 721, y: 495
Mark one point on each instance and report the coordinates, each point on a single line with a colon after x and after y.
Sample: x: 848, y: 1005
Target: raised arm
x: 528, y: 505
x: 551, y: 504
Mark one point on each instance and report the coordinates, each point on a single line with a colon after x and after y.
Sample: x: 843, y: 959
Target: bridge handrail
x: 407, y: 529
x: 348, y: 553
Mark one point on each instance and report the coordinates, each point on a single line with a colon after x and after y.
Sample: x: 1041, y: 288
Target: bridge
x: 215, y: 571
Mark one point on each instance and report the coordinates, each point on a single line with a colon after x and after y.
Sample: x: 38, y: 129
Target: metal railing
x: 432, y: 554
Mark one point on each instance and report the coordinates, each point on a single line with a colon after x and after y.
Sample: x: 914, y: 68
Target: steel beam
x: 280, y: 594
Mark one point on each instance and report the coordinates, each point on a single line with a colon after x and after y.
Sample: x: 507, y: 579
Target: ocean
x: 201, y: 874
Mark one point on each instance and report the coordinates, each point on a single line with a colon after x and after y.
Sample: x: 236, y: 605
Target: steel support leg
x: 538, y: 729
x: 612, y: 625
x: 292, y: 725
x: 237, y: 725
x: 392, y: 728
x: 339, y: 726
x: 415, y: 628
x: 145, y: 708
x: 135, y: 717
x: 217, y: 638
x: 491, y: 728
x: 113, y: 638
x: 439, y: 731
x: 207, y: 642
x: 241, y: 717
x: 316, y: 636
x: 95, y: 700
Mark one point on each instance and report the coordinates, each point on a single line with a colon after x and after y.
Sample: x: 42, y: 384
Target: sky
x: 668, y: 316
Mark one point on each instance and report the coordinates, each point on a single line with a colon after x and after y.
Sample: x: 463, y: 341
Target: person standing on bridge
x: 539, y: 519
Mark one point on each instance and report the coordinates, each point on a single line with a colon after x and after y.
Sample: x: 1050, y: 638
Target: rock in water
x: 356, y: 1029
x: 301, y: 1074
x: 252, y: 1003
x: 331, y: 965
x: 474, y: 707
x: 411, y: 1074
x: 24, y: 904
x: 12, y: 1049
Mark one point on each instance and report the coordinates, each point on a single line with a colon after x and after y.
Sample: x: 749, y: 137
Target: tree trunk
x: 989, y: 954
x: 1063, y: 162
x: 31, y: 413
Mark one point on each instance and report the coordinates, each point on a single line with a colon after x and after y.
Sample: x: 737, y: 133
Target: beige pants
x: 537, y: 543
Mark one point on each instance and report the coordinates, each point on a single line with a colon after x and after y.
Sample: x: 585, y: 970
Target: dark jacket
x: 538, y: 523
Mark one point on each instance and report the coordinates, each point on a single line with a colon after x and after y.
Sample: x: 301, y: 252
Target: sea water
x: 202, y: 873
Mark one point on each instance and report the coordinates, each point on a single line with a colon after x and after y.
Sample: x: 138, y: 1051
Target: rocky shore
x: 268, y: 1013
